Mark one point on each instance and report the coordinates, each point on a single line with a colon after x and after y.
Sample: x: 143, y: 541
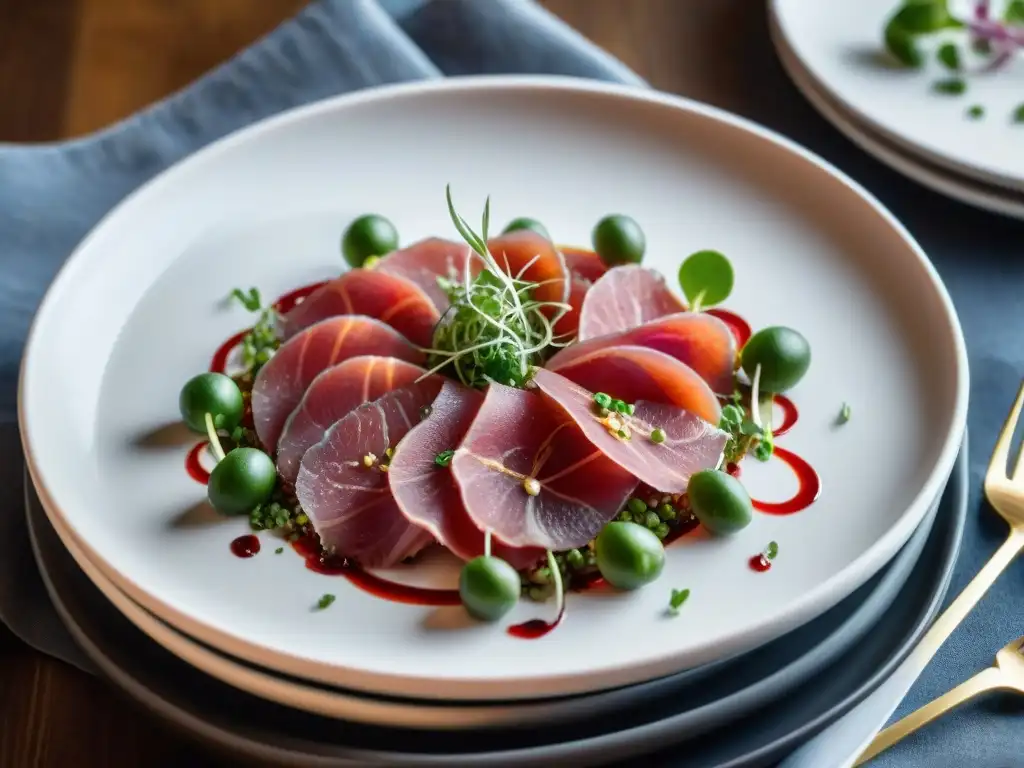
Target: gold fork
x: 1006, y: 495
x: 1006, y: 675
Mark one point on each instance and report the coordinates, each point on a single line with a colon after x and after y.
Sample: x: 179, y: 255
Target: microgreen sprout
x: 325, y: 601
x: 771, y: 551
x: 844, y: 414
x: 260, y: 343
x: 494, y: 330
x: 675, y: 602
x: 444, y: 458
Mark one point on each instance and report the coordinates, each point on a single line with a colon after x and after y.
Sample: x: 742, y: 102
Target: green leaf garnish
x: 325, y: 601
x: 976, y: 112
x: 771, y: 551
x: 1014, y: 12
x: 250, y: 300
x: 706, y: 278
x: 949, y: 56
x: 679, y: 596
x: 913, y: 19
x: 953, y: 86
x: 444, y: 458
x: 844, y: 414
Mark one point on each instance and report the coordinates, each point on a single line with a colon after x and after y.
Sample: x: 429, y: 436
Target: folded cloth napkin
x: 50, y: 196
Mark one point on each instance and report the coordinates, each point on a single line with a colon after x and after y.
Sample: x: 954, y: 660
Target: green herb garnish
x: 679, y: 596
x: 494, y: 330
x: 914, y: 19
x: 949, y: 56
x: 325, y: 601
x: 844, y: 414
x: 1018, y: 114
x: 976, y: 112
x: 1014, y: 12
x: 706, y: 278
x: 260, y: 343
x: 279, y: 550
x: 771, y: 551
x: 444, y: 458
x: 250, y: 300
x: 953, y: 86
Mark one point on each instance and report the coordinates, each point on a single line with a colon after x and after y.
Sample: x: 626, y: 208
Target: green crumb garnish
x: 260, y: 343
x: 844, y: 414
x: 603, y: 400
x: 1018, y: 114
x: 949, y: 56
x: 679, y: 596
x: 325, y: 601
x: 658, y: 435
x: 279, y: 550
x: 953, y: 86
x: 771, y: 551
x: 444, y: 458
x: 976, y: 112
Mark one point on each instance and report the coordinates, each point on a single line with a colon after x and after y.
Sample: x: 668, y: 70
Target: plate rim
x: 970, y: 170
x: 221, y: 738
x: 811, y: 603
x: 944, y: 181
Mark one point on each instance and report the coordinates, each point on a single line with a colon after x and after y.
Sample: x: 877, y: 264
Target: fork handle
x: 987, y: 680
x: 968, y: 598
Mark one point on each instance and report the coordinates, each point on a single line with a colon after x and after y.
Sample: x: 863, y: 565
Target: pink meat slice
x: 426, y: 492
x: 515, y: 440
x: 699, y: 340
x: 624, y: 298
x: 282, y: 382
x: 331, y: 396
x: 638, y: 373
x: 425, y: 261
x: 528, y: 256
x: 391, y: 299
x: 691, y: 444
x: 349, y: 503
x: 584, y: 264
x: 568, y: 324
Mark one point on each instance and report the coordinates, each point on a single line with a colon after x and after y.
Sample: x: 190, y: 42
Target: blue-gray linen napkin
x: 50, y: 196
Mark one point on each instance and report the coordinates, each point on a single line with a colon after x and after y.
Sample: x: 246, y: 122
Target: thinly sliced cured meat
x: 699, y: 340
x: 624, y: 298
x: 282, y: 382
x: 389, y: 298
x: 344, y: 489
x: 426, y: 492
x: 583, y: 263
x: 331, y: 396
x: 567, y: 325
x: 425, y: 261
x: 528, y: 256
x: 527, y: 473
x: 691, y: 444
x: 638, y: 373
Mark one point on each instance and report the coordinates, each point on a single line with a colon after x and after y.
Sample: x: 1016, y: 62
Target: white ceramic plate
x: 965, y: 189
x: 139, y: 309
x: 840, y: 46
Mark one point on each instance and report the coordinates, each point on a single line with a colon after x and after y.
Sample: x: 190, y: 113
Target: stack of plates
x: 235, y: 651
x: 835, y: 56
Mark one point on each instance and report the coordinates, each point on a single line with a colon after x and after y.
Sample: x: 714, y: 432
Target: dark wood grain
x: 68, y: 67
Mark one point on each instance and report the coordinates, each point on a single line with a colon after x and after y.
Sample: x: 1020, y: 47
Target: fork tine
x: 1001, y: 454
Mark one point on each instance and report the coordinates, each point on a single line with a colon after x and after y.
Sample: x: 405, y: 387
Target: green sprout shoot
x: 679, y: 596
x: 260, y: 343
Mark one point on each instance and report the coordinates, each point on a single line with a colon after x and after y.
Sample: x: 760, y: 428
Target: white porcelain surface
x: 840, y: 45
x: 139, y: 308
x: 959, y: 187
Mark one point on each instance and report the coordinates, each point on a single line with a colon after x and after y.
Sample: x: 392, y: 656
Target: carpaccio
x: 350, y: 360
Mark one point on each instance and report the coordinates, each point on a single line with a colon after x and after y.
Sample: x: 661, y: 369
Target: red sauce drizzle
x: 309, y: 548
x: 760, y: 563
x: 789, y: 415
x: 245, y: 546
x: 536, y: 628
x: 219, y: 363
x: 193, y: 465
x: 287, y: 302
x: 808, y: 489
x: 740, y: 328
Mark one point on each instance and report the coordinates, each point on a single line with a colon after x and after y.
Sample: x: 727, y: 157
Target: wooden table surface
x: 68, y: 67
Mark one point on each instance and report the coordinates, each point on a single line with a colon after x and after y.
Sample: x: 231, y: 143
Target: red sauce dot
x: 245, y: 546
x: 760, y: 563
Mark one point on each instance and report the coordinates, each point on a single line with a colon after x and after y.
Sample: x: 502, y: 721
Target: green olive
x: 629, y: 555
x: 240, y: 481
x: 214, y: 394
x: 524, y: 222
x: 783, y: 354
x: 489, y: 587
x: 618, y: 240
x: 719, y: 501
x: 369, y: 235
